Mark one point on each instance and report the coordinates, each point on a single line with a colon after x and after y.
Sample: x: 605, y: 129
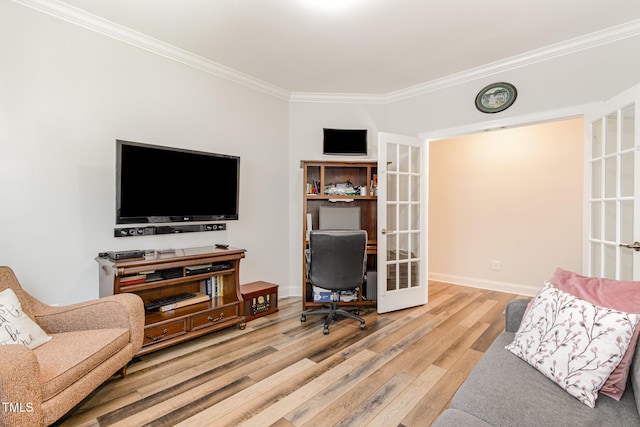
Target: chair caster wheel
x: 303, y: 318
x: 325, y: 330
x: 362, y: 326
x: 356, y: 312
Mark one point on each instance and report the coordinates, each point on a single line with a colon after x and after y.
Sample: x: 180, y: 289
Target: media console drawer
x: 259, y: 299
x: 214, y: 317
x: 157, y: 333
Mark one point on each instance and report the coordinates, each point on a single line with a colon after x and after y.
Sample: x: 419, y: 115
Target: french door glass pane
x: 415, y: 159
x: 415, y: 188
x: 626, y: 220
x: 610, y: 261
x: 392, y: 187
x: 404, y: 187
x: 611, y: 172
x: 404, y: 159
x: 403, y: 280
x: 415, y: 217
x: 611, y: 136
x: 626, y: 264
x: 596, y: 179
x: 626, y: 174
x: 403, y: 214
x: 392, y: 157
x: 596, y: 222
x: 415, y: 245
x: 610, y: 221
x: 628, y: 126
x: 596, y: 259
x: 596, y: 143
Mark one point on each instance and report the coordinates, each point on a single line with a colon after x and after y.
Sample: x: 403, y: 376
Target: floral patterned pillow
x: 574, y: 343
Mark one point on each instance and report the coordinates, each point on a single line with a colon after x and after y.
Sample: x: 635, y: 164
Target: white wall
x: 513, y: 197
x: 565, y: 82
x: 66, y: 95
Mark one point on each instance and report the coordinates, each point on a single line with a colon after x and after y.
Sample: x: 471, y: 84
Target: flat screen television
x: 157, y: 184
x: 345, y: 142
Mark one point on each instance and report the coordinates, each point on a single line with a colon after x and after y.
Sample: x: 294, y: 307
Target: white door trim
x: 515, y: 121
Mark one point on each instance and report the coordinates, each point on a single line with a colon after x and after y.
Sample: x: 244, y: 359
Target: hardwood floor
x: 402, y: 370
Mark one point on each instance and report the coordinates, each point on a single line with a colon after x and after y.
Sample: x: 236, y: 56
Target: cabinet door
x: 402, y: 222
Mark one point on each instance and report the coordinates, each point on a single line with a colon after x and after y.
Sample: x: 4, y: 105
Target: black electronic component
x: 155, y: 304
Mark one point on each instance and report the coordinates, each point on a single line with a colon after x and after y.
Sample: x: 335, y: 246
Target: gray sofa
x: 503, y: 390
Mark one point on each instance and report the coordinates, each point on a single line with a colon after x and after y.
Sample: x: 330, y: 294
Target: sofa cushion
x: 573, y: 342
x: 15, y: 326
x: 69, y: 356
x: 617, y: 294
x: 455, y: 418
x: 503, y: 390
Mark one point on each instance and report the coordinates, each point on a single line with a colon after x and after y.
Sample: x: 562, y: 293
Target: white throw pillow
x: 574, y: 343
x: 15, y: 326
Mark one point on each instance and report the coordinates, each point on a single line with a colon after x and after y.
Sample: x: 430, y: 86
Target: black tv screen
x: 160, y: 184
x: 347, y: 142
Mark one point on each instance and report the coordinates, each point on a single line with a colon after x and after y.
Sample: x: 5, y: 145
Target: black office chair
x: 336, y: 261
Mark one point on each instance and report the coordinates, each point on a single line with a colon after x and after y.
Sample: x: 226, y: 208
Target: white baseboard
x: 513, y: 288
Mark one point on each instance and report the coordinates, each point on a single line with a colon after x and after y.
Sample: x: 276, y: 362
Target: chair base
x: 332, y: 313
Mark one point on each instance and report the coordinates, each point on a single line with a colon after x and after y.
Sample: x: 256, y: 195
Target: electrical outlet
x: 495, y: 265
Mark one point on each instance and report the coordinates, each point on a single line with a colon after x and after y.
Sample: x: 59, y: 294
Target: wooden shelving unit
x: 163, y: 329
x: 319, y: 178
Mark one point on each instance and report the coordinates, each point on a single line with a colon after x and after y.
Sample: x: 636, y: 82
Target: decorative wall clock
x: 496, y: 97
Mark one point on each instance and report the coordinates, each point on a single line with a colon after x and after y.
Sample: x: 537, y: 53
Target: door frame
x: 578, y: 111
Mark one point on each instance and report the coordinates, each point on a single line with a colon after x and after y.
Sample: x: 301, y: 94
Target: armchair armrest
x: 117, y: 311
x: 20, y: 388
x: 515, y: 313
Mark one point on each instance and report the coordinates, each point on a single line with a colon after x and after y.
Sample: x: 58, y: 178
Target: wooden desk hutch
x: 320, y: 180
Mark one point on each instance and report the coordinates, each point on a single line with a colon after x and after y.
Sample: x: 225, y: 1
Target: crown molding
x: 105, y: 27
x: 568, y: 47
x: 108, y: 28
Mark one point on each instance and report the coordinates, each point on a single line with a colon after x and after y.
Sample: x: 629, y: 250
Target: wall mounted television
x: 346, y: 142
x: 157, y: 184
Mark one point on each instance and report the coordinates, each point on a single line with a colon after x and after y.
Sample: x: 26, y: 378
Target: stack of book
x: 133, y: 279
x: 213, y: 286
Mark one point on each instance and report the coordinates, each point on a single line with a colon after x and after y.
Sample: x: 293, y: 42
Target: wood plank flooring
x: 402, y: 370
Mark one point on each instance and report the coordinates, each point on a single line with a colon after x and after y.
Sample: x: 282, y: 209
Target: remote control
x: 222, y: 246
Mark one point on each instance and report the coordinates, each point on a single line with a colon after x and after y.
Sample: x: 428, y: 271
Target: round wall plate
x: 496, y: 97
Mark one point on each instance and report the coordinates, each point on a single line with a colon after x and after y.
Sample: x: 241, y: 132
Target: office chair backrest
x: 337, y: 258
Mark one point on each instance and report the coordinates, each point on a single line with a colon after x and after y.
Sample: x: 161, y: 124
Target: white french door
x: 613, y: 154
x: 402, y: 222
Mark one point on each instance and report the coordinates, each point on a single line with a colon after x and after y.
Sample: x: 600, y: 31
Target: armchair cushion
x: 69, y: 356
x: 15, y: 326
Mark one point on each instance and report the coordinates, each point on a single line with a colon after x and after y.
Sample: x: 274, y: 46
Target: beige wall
x: 513, y: 196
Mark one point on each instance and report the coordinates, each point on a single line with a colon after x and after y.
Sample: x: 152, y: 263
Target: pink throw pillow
x: 617, y: 294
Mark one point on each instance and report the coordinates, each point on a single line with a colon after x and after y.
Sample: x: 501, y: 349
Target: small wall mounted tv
x: 157, y: 184
x: 345, y: 142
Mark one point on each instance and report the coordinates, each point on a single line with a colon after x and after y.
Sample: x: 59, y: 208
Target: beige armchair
x: 90, y: 342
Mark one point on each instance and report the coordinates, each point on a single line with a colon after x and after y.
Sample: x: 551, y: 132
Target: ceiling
x: 360, y: 46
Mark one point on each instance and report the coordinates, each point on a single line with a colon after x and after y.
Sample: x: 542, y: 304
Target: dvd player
x: 117, y: 255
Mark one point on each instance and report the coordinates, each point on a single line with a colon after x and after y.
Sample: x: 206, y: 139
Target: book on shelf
x: 200, y: 297
x: 218, y: 286
x: 133, y: 280
x: 206, y: 287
